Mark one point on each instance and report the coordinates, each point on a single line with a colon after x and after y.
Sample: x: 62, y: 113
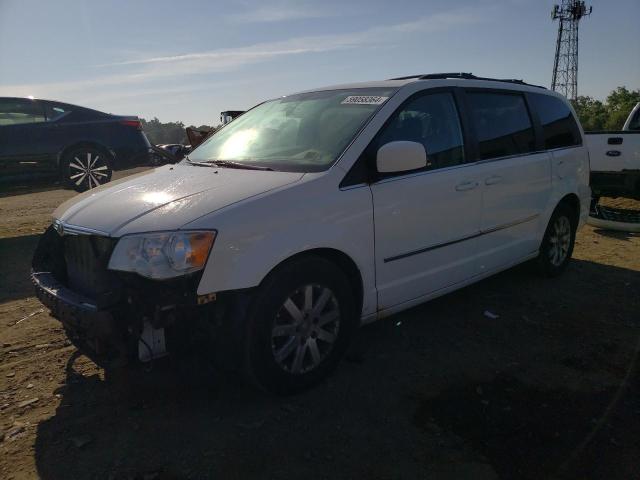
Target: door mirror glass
x: 401, y: 156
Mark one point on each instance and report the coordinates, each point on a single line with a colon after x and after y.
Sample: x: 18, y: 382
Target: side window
x: 14, y: 111
x: 559, y: 127
x: 431, y: 120
x: 502, y: 124
x: 54, y: 111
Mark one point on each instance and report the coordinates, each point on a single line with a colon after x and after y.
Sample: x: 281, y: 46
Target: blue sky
x: 190, y: 60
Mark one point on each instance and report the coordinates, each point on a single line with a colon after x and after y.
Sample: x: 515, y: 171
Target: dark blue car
x: 80, y: 145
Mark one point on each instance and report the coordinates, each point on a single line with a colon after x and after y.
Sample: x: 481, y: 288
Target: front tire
x: 84, y: 168
x: 300, y: 325
x: 558, y: 242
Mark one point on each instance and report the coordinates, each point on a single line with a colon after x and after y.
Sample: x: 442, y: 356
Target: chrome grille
x: 86, y: 258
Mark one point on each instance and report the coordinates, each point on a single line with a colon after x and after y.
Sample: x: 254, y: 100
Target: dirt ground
x: 545, y: 385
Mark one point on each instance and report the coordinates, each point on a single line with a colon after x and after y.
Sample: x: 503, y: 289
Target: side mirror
x: 401, y: 156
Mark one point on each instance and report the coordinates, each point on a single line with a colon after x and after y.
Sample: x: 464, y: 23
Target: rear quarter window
x: 54, y: 112
x: 559, y: 127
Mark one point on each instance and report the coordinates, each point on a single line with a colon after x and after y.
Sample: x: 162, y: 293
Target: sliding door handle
x: 461, y: 187
x: 493, y: 180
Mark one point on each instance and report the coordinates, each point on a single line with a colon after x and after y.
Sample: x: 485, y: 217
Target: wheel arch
x: 343, y: 261
x: 83, y: 143
x: 573, y: 202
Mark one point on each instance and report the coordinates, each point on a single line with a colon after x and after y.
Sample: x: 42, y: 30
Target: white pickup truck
x: 615, y: 159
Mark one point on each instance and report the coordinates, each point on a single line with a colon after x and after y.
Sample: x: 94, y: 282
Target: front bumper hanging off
x: 132, y: 317
x: 95, y: 332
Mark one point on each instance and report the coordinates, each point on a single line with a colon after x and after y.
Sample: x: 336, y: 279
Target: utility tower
x: 565, y: 65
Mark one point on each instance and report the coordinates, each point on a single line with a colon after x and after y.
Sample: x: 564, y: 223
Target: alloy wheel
x: 305, y: 329
x: 88, y: 167
x: 559, y: 241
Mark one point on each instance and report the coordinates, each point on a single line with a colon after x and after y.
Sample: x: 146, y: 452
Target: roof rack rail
x: 464, y: 76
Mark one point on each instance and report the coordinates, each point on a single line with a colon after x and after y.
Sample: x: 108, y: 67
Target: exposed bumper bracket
x: 95, y: 332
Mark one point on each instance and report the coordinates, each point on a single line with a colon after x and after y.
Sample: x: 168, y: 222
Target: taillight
x: 132, y: 123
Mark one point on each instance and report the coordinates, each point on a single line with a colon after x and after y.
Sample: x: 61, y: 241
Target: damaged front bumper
x: 94, y: 332
x: 130, y: 318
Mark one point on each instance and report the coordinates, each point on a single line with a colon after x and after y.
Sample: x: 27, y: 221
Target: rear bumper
x: 616, y: 184
x: 127, y: 157
x: 134, y: 150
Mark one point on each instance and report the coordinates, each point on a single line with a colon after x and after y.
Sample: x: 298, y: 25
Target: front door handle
x: 493, y: 180
x: 461, y: 187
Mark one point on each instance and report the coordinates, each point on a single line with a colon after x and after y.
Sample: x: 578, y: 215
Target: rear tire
x: 557, y: 245
x: 300, y: 325
x: 86, y: 167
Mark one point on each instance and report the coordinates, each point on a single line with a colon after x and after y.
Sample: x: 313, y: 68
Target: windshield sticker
x: 364, y: 100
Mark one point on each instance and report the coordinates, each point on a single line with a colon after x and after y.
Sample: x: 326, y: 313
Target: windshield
x: 306, y: 132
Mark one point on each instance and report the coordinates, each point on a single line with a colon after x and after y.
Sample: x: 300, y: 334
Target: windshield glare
x: 304, y: 133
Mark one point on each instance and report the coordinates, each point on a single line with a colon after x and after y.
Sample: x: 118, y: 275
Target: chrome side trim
x: 461, y: 239
x: 511, y: 224
x: 433, y: 247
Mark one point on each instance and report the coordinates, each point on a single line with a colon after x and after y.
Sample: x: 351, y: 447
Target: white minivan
x: 314, y: 213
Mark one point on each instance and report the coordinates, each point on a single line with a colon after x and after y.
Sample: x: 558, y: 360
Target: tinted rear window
x: 559, y: 127
x: 502, y: 124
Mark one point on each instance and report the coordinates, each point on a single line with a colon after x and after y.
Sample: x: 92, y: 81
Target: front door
x: 426, y: 221
x: 22, y: 130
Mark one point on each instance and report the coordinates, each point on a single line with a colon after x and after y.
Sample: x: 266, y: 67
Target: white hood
x: 166, y: 198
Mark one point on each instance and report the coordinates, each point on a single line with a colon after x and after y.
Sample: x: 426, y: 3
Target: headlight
x: 162, y: 255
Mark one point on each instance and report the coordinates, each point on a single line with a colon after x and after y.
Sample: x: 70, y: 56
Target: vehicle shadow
x: 15, y: 257
x: 543, y: 386
x: 35, y: 185
x: 46, y: 183
x: 618, y: 235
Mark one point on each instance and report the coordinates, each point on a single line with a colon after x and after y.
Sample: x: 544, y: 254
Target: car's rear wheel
x: 85, y: 168
x: 557, y: 244
x: 300, y: 325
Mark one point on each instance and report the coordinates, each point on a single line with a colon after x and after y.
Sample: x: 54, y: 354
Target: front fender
x: 257, y: 235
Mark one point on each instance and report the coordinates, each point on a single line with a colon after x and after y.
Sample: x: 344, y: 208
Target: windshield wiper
x: 198, y: 164
x: 240, y: 165
x: 227, y: 164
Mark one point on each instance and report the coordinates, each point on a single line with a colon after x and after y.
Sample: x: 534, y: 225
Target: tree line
x: 171, y: 132
x: 608, y: 115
